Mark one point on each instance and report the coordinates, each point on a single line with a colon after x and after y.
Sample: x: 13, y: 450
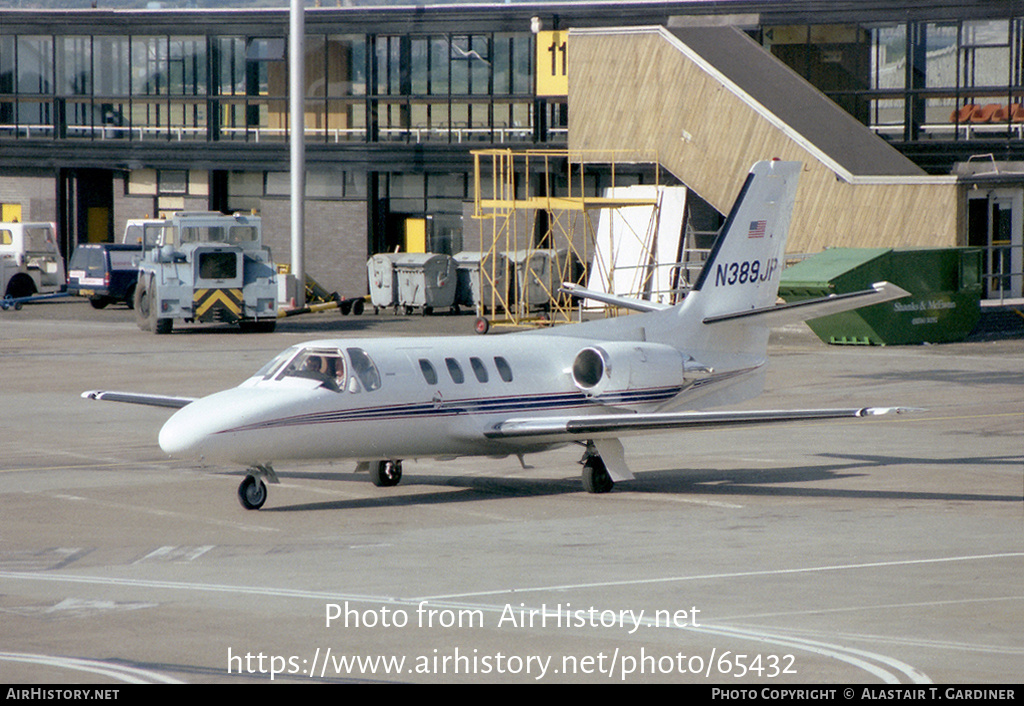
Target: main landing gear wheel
x: 385, y: 474
x: 252, y: 493
x: 595, y: 476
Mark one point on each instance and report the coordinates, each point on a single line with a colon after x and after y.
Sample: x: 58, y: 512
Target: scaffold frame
x: 541, y: 231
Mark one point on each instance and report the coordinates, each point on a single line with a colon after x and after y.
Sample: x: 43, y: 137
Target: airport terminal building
x: 909, y: 117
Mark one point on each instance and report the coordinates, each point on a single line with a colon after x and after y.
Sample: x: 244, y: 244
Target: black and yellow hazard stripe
x: 217, y: 304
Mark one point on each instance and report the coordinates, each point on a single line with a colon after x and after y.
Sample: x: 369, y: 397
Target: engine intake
x: 629, y: 375
x: 589, y: 368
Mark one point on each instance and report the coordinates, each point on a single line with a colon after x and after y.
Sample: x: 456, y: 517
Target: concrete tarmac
x: 874, y: 551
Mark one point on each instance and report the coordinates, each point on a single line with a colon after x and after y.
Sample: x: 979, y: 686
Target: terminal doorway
x: 85, y: 207
x: 996, y: 224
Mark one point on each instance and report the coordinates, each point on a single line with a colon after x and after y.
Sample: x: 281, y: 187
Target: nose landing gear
x: 252, y: 491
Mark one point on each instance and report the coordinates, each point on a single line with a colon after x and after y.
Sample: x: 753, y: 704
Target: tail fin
x: 741, y: 274
x: 739, y: 283
x: 743, y: 270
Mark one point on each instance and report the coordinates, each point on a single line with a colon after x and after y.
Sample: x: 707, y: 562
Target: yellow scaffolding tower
x: 523, y: 264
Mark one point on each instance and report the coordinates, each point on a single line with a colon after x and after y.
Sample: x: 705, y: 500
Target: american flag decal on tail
x: 757, y: 229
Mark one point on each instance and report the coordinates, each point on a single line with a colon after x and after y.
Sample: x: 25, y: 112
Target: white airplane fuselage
x: 477, y: 382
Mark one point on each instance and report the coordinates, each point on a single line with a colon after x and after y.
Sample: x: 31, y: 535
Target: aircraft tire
x: 595, y: 476
x: 252, y: 493
x: 385, y: 474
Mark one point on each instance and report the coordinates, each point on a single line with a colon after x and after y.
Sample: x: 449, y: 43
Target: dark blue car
x: 105, y: 273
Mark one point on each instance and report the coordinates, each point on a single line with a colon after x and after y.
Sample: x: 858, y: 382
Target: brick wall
x: 335, y: 241
x: 36, y: 195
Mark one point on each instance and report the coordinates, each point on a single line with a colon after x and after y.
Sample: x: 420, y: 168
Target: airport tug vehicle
x: 205, y: 266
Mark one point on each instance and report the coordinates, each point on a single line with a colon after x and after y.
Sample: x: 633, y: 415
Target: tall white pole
x: 297, y: 90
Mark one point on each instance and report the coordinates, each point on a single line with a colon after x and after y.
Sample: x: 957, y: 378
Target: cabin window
x: 504, y: 370
x: 429, y: 374
x: 364, y: 368
x: 455, y: 370
x: 478, y: 369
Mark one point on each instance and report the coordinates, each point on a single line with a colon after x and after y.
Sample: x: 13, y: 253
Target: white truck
x: 205, y: 266
x: 30, y: 260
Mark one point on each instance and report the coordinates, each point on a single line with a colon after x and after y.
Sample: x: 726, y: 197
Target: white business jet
x: 378, y: 401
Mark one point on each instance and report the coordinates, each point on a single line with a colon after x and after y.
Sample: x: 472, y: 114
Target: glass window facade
x: 917, y: 81
x: 366, y: 88
x: 453, y: 88
x: 909, y: 80
x: 935, y: 81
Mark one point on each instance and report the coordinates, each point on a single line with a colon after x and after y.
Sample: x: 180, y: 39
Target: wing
x: 616, y: 424
x: 138, y: 398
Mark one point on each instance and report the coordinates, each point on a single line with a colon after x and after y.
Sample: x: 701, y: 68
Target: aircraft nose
x: 224, y: 426
x: 183, y: 435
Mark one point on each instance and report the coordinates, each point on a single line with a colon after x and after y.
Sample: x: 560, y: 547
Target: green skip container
x: 944, y: 283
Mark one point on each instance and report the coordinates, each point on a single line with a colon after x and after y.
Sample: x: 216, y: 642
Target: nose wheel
x: 252, y: 491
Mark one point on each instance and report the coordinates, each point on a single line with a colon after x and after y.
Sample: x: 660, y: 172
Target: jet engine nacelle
x: 629, y: 375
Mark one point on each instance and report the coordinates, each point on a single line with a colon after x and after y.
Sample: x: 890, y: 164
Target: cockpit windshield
x: 325, y: 365
x: 328, y: 366
x: 268, y: 371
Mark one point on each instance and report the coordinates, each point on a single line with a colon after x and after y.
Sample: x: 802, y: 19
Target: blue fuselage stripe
x: 478, y: 406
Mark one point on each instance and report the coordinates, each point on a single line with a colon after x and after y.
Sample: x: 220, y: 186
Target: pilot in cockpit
x: 313, y: 364
x: 328, y: 369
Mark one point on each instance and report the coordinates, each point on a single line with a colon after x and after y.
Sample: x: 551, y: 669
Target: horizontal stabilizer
x: 613, y: 299
x: 813, y: 308
x: 624, y: 423
x: 138, y: 398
